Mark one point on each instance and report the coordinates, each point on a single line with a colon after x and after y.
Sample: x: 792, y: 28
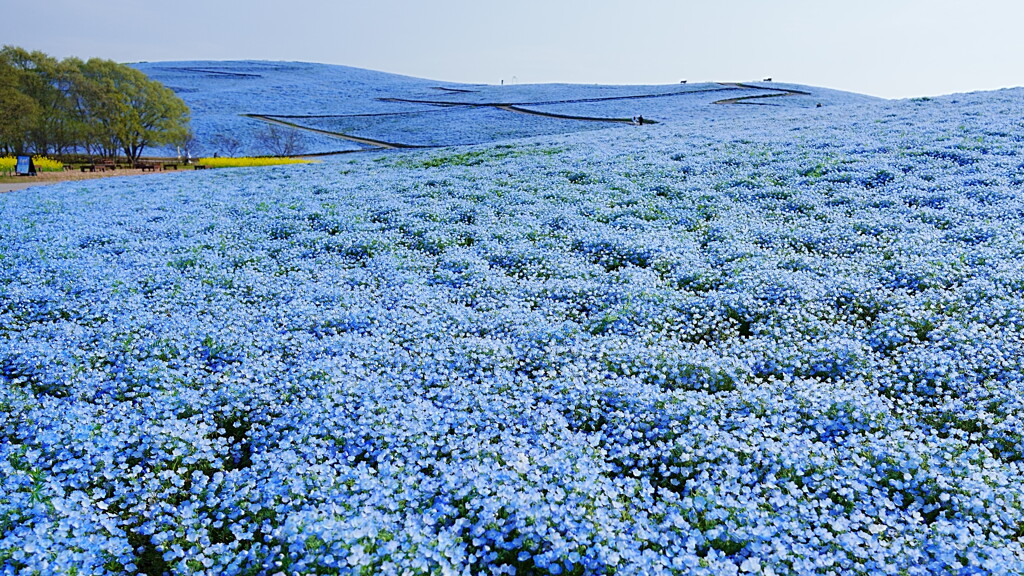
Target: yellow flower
x: 43, y: 164
x: 246, y: 161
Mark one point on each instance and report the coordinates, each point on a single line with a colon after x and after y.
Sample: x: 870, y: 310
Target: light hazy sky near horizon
x: 888, y: 48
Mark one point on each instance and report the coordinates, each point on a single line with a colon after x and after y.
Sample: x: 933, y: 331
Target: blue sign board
x: 25, y: 166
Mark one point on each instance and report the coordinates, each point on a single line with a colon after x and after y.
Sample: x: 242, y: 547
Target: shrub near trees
x: 97, y: 107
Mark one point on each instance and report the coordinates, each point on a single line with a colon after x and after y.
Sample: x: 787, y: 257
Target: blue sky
x: 895, y: 48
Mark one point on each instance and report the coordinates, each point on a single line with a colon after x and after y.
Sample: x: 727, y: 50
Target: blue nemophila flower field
x: 251, y: 108
x: 767, y: 340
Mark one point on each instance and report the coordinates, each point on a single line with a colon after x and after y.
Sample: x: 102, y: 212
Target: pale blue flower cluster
x: 785, y: 341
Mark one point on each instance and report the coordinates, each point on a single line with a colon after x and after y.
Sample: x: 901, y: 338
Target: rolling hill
x: 253, y: 108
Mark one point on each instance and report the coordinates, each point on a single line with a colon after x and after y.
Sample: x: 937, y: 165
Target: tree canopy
x: 96, y: 106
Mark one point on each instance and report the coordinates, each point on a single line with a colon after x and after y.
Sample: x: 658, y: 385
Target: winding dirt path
x: 459, y: 90
x: 570, y: 101
x: 781, y: 92
x: 512, y: 108
x: 517, y: 107
x: 367, y: 141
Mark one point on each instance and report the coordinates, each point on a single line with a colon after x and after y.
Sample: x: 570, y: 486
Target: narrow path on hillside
x: 368, y: 141
x: 781, y: 93
x: 217, y: 72
x: 517, y: 107
x: 511, y: 108
x: 457, y: 90
x: 570, y: 101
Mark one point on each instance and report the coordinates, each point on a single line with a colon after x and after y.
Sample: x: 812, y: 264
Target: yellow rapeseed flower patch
x: 43, y: 164
x: 240, y: 162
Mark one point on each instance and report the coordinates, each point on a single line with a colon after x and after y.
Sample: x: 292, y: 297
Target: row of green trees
x: 96, y: 107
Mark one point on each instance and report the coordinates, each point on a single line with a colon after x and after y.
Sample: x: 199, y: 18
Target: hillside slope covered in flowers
x: 322, y: 104
x: 775, y: 341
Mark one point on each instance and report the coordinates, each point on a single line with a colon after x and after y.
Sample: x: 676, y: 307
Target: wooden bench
x: 88, y: 167
x: 148, y: 167
x: 170, y: 166
x: 200, y: 167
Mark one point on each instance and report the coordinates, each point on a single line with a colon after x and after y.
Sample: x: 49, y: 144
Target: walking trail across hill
x: 781, y: 93
x: 519, y: 108
x: 725, y: 86
x: 516, y: 107
x: 368, y: 141
x: 512, y: 108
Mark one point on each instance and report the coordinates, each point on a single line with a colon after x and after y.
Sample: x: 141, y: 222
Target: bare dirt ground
x: 12, y: 183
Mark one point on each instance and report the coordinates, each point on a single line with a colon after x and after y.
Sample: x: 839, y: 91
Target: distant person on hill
x: 641, y: 120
